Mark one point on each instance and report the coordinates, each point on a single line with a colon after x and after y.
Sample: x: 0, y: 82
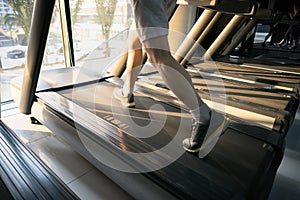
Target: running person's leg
x: 133, y: 65
x: 152, y: 27
x: 157, y: 13
x: 174, y: 75
x: 207, y: 125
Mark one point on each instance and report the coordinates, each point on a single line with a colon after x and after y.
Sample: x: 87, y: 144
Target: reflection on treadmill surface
x: 239, y: 166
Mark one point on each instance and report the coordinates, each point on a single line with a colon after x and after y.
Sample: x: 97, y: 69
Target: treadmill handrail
x: 41, y: 19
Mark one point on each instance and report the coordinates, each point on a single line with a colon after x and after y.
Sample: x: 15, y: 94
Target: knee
x: 158, y: 56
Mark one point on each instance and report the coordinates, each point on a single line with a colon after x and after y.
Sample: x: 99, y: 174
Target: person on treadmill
x: 151, y: 23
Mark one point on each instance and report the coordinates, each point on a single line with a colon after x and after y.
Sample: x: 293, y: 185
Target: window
x: 94, y: 22
x: 90, y: 32
x: 14, y: 43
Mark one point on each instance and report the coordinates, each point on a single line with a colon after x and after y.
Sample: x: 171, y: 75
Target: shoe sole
x: 211, y: 141
x: 125, y: 104
x: 128, y: 105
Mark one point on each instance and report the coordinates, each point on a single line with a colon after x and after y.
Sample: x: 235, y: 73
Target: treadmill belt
x: 259, y: 94
x: 258, y: 98
x: 109, y: 109
x: 289, y: 76
x: 239, y: 166
x: 270, y: 57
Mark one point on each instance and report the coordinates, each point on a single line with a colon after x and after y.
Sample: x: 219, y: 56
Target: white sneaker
x: 127, y: 101
x: 217, y: 126
x: 205, y: 137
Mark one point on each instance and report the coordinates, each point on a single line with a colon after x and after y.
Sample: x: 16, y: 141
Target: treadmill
x: 255, y: 102
x: 240, y: 165
x: 76, y: 104
x: 269, y: 89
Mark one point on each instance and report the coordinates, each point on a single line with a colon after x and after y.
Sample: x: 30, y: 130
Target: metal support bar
x: 201, y: 38
x: 195, y: 32
x: 40, y: 24
x: 65, y: 16
x: 240, y: 36
x: 224, y: 36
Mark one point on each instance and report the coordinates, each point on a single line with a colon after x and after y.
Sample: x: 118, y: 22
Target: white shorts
x: 152, y: 17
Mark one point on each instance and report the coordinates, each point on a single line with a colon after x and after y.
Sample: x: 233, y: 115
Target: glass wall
x: 13, y: 45
x: 93, y: 23
x: 14, y: 32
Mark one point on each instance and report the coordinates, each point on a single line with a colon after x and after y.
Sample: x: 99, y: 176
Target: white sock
x: 201, y: 114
